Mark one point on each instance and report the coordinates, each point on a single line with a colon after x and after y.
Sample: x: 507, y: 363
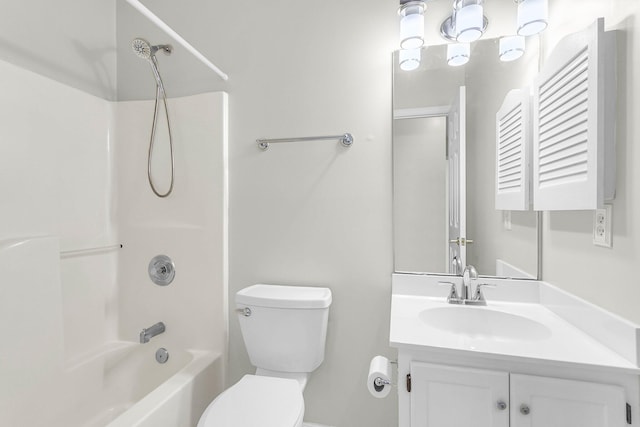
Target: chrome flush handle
x: 246, y: 312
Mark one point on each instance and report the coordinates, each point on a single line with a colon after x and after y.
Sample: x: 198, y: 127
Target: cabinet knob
x: 501, y: 405
x: 524, y: 409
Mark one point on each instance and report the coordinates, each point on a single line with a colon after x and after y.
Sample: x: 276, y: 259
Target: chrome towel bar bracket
x: 345, y: 139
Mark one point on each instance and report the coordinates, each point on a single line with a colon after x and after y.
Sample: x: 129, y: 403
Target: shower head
x: 145, y: 50
x: 142, y: 48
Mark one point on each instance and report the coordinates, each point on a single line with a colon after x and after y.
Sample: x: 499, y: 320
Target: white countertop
x: 551, y: 339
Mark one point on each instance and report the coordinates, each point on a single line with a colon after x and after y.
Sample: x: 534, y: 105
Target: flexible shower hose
x: 160, y: 91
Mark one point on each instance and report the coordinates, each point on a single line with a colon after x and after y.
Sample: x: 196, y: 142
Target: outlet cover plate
x: 602, y: 230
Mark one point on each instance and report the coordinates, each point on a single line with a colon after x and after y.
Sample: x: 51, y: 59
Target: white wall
x: 70, y: 41
x: 313, y: 214
x: 604, y: 276
x: 308, y: 214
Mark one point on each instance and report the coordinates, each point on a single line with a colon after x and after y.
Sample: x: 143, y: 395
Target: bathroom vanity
x: 534, y: 356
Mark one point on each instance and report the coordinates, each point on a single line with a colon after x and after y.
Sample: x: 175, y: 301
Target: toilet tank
x: 285, y: 327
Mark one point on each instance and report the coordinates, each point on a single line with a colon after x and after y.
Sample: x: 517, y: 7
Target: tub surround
x: 74, y: 169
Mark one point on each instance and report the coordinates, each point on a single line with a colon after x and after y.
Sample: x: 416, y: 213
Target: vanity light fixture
x: 511, y: 48
x: 533, y: 16
x: 409, y: 59
x: 411, y: 24
x: 458, y: 54
x: 468, y: 20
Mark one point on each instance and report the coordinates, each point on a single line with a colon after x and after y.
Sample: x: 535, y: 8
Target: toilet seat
x: 257, y: 401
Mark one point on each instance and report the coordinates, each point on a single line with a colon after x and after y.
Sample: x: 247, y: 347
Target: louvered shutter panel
x: 573, y: 132
x: 513, y: 143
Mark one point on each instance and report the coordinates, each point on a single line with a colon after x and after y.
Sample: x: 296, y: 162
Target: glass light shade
x: 412, y: 27
x: 410, y: 59
x: 511, y: 48
x: 468, y: 22
x: 533, y: 16
x: 458, y: 54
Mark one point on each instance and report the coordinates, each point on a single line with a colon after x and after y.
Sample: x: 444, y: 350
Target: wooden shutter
x: 573, y: 143
x: 513, y: 144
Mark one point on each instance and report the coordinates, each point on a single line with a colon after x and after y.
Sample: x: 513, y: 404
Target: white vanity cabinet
x: 548, y: 402
x: 514, y: 362
x: 448, y: 396
x: 451, y: 396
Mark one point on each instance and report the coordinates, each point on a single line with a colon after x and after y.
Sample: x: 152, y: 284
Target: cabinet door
x: 443, y: 396
x: 551, y: 402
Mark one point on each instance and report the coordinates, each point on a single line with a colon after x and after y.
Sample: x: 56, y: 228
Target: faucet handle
x: 453, y: 291
x: 478, y: 295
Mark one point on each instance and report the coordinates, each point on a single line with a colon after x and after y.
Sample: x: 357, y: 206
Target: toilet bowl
x: 257, y: 401
x: 284, y: 330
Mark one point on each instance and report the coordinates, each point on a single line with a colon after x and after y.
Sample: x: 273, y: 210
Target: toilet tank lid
x: 277, y: 296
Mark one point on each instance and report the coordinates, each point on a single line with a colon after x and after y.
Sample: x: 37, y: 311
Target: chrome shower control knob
x: 162, y: 270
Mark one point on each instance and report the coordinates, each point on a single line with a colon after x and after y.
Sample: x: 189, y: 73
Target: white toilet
x: 284, y: 329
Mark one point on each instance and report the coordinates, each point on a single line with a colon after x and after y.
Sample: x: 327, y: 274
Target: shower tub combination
x: 119, y: 383
x: 136, y: 391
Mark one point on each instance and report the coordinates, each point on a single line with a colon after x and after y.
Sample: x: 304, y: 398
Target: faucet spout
x: 147, y: 333
x: 470, y: 273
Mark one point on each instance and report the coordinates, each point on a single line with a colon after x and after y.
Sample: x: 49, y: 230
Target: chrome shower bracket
x: 167, y: 49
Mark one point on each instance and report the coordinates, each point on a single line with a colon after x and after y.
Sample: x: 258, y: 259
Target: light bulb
x: 468, y: 23
x: 412, y: 25
x: 511, y: 48
x: 458, y: 54
x: 412, y: 31
x: 533, y: 16
x: 409, y: 59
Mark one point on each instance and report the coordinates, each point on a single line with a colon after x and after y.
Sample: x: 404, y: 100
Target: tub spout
x: 147, y: 333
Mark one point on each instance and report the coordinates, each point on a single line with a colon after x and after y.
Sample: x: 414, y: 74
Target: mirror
x: 444, y: 136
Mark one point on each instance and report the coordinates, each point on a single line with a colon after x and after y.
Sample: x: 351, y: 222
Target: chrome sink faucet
x: 466, y: 296
x: 147, y: 333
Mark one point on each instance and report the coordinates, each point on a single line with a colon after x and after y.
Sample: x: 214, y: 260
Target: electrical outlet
x: 602, y: 219
x: 506, y: 220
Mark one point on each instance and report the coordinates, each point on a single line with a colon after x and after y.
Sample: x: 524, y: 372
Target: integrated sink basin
x: 483, y: 323
x: 514, y: 326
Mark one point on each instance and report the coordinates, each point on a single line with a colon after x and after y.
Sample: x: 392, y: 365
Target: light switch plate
x: 602, y: 219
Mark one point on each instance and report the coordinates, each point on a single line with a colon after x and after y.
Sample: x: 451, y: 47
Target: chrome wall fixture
x: 466, y: 24
x: 346, y: 139
x: 161, y: 270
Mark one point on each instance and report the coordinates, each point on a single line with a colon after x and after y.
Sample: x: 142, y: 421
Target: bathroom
x: 311, y: 214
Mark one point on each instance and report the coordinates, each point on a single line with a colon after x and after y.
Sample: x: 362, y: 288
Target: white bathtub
x: 123, y: 386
